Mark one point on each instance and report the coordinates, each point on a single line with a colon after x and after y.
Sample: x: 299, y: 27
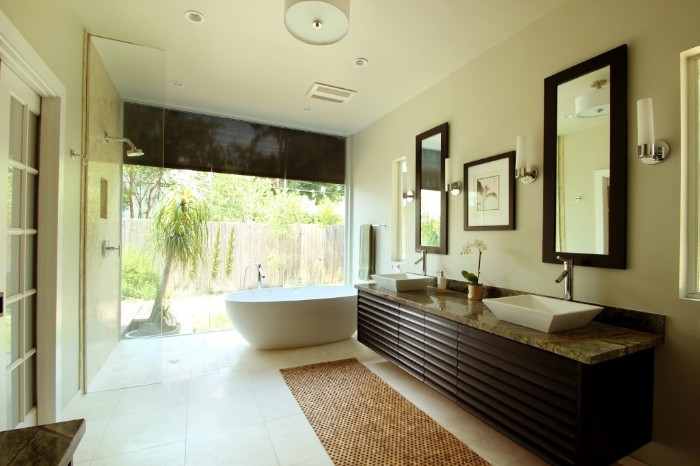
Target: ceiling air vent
x: 334, y: 94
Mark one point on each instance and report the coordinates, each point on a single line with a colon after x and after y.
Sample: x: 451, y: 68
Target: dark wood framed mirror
x: 431, y: 198
x: 585, y: 162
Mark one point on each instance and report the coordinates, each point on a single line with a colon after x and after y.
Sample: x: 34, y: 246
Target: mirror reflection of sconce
x: 523, y: 172
x: 649, y: 149
x: 406, y: 194
x: 451, y: 186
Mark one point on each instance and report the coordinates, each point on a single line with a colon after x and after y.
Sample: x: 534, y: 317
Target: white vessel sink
x: 541, y: 313
x: 402, y: 281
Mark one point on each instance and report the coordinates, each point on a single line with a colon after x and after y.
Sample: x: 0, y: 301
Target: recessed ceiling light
x: 308, y: 109
x: 177, y: 84
x: 194, y: 16
x: 360, y: 62
x: 567, y: 116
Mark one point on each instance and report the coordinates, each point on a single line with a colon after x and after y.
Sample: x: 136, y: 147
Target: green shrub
x: 139, y: 277
x: 215, y: 254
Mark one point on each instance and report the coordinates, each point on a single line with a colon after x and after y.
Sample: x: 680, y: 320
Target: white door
x: 19, y: 162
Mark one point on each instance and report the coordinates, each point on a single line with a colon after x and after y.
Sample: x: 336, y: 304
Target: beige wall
x: 498, y: 96
x: 55, y: 33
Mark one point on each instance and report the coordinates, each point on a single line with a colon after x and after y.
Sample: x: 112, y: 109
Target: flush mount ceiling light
x: 194, y: 16
x: 176, y: 83
x: 360, y: 62
x: 317, y: 22
x: 594, y: 103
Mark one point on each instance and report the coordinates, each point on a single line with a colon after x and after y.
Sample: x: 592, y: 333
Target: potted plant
x: 476, y: 289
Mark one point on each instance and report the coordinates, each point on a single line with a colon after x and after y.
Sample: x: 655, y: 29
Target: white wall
x: 498, y: 96
x: 55, y: 33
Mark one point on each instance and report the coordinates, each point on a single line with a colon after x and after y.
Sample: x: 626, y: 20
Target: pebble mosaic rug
x: 361, y: 420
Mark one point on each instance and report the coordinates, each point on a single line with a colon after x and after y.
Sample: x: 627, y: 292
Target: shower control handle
x: 106, y: 248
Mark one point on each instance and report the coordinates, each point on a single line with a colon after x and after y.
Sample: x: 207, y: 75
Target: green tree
x: 229, y: 253
x: 327, y: 215
x: 286, y: 211
x: 230, y: 197
x: 143, y: 187
x: 180, y: 234
x: 215, y: 254
x: 318, y: 192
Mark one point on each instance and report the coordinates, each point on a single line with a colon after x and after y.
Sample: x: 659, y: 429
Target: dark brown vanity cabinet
x: 378, y: 325
x: 565, y: 411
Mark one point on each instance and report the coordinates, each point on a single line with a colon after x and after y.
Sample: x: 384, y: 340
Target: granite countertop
x: 45, y: 445
x: 596, y: 342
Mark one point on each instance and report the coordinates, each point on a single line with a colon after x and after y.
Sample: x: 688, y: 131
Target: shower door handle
x: 106, y: 248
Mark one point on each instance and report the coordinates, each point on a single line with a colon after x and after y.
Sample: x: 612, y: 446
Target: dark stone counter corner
x: 45, y: 445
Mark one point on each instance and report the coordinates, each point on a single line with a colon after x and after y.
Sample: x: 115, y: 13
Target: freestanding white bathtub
x: 275, y: 318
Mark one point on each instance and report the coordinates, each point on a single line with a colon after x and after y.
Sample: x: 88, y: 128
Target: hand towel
x: 366, y: 252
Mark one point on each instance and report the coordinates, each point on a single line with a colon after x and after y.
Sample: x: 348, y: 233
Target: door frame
x: 19, y: 55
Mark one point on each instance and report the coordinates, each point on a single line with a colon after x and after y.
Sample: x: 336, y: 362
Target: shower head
x: 133, y: 152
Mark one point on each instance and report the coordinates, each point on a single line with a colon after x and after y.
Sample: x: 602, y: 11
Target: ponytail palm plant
x: 180, y: 235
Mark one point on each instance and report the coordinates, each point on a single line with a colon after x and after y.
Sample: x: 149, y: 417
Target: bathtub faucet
x: 261, y: 275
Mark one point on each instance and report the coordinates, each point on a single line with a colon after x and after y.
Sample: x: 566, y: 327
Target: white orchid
x: 469, y: 246
x: 473, y: 244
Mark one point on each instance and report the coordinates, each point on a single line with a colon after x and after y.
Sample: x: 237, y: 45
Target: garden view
x: 191, y: 237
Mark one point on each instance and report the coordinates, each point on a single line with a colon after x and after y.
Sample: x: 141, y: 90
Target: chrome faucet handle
x: 567, y: 262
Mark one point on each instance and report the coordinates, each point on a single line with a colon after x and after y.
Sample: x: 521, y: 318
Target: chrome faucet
x: 424, y: 253
x: 261, y: 275
x: 568, y: 276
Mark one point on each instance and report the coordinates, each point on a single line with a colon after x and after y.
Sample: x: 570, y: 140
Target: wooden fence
x: 306, y: 255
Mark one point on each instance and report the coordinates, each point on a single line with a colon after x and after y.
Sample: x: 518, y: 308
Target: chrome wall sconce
x: 406, y: 194
x: 649, y: 149
x: 523, y: 172
x: 451, y: 186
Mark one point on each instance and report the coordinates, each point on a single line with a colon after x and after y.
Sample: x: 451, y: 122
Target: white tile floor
x: 229, y: 405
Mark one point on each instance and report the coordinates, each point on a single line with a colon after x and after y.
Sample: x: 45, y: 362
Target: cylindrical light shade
x: 520, y: 152
x: 593, y: 103
x: 448, y: 173
x: 645, y: 122
x: 317, y: 22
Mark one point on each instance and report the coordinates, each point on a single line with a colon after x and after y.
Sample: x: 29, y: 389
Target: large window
x: 215, y: 200
x: 293, y: 229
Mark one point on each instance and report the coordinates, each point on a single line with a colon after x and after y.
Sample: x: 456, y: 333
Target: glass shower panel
x: 16, y: 117
x: 13, y: 406
x: 33, y: 141
x: 31, y: 201
x: 13, y: 263
x: 30, y: 262
x: 30, y: 320
x: 14, y: 188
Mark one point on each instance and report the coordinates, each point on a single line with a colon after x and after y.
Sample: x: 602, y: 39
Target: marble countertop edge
x: 595, y: 343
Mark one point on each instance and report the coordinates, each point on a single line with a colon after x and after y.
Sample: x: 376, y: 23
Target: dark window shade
x: 188, y: 140
x: 144, y: 126
x: 247, y: 148
x: 313, y: 157
x: 176, y: 139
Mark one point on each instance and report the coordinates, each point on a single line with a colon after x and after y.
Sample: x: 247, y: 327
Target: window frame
x: 689, y: 276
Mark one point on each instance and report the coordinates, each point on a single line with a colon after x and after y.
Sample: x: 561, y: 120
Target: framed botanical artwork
x: 489, y: 193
